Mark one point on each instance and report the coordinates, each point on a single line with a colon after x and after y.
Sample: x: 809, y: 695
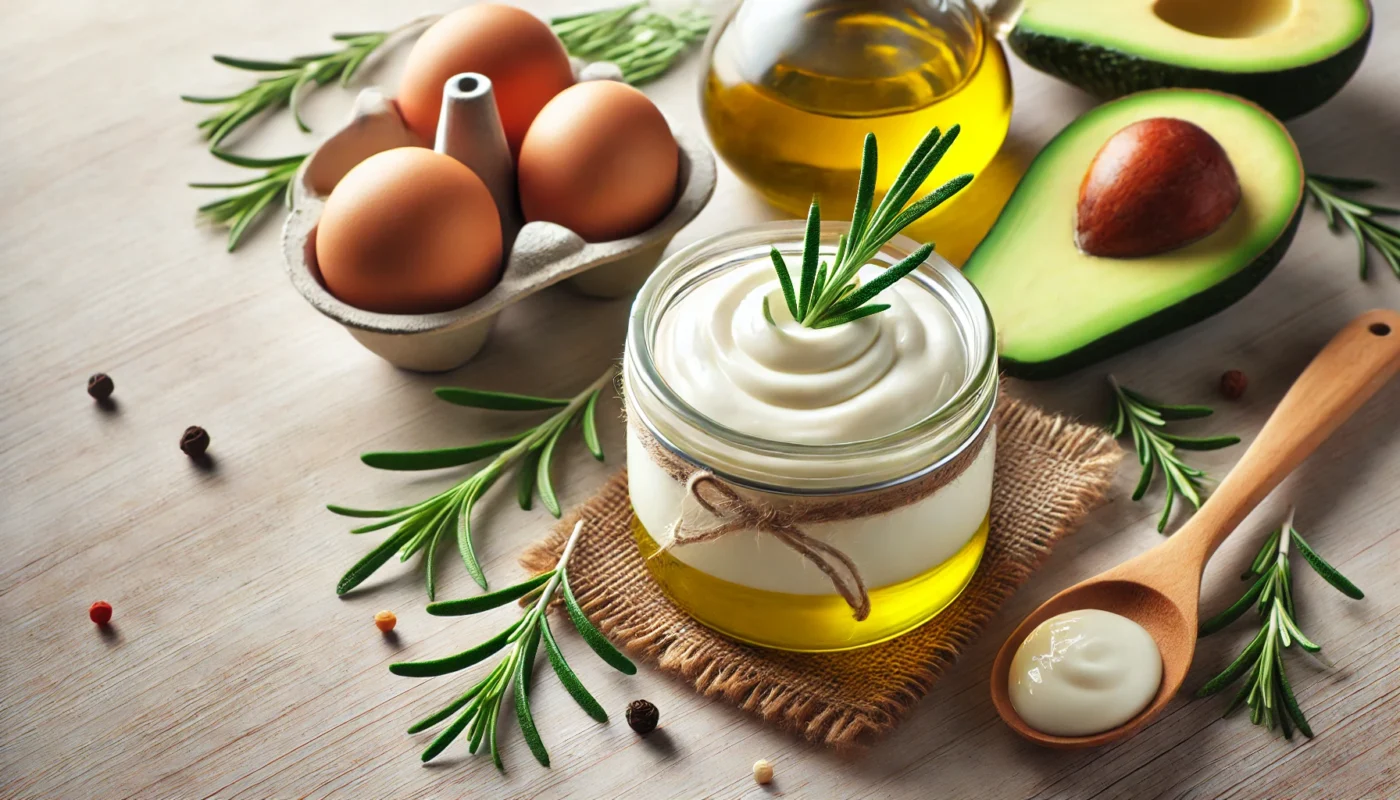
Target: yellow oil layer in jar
x: 793, y: 88
x: 810, y: 622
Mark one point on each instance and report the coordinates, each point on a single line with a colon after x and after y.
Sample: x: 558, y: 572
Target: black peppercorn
x: 195, y: 441
x: 642, y: 716
x: 100, y: 386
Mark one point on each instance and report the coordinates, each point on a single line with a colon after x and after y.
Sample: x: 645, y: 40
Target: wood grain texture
x: 233, y: 671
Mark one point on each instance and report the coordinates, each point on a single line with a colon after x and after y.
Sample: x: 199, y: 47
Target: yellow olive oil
x: 804, y: 622
x: 788, y: 100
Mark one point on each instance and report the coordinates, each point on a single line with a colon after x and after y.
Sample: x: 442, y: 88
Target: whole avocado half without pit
x: 1057, y: 309
x: 1289, y: 56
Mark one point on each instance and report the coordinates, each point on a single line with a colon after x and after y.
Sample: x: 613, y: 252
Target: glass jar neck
x: 783, y: 467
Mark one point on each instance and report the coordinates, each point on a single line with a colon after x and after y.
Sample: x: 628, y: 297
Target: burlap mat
x: 1049, y: 473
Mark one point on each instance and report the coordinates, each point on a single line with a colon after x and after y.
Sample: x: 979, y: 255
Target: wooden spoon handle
x: 1352, y: 367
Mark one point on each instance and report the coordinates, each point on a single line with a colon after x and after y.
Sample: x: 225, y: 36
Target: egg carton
x: 542, y: 255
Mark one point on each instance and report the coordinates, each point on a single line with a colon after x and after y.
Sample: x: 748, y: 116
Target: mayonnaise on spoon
x: 1084, y: 672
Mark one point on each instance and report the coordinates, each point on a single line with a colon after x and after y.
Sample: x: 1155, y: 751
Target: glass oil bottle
x: 793, y: 86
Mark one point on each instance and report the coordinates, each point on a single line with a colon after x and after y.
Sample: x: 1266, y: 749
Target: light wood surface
x: 233, y: 671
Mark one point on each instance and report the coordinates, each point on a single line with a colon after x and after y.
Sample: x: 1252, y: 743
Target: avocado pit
x: 1156, y: 185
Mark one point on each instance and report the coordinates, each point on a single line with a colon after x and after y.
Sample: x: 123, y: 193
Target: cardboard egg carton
x: 542, y: 255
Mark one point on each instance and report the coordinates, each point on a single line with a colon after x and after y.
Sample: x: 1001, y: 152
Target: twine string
x: 733, y: 514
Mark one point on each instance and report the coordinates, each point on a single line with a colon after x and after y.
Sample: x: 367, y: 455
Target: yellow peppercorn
x: 385, y: 621
x: 763, y: 771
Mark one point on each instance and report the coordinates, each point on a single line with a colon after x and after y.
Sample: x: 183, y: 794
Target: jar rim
x: 974, y: 324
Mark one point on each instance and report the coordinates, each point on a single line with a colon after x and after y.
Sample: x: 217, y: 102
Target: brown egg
x: 599, y: 160
x: 523, y: 58
x: 409, y: 231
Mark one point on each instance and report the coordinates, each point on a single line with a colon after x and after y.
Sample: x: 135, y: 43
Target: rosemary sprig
x: 826, y: 296
x: 1146, y: 420
x: 423, y: 525
x: 1266, y: 689
x: 1358, y: 216
x: 288, y: 81
x: 644, y: 44
x: 239, y: 211
x: 481, y: 705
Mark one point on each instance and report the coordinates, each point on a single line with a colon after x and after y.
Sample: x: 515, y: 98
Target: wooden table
x: 232, y: 670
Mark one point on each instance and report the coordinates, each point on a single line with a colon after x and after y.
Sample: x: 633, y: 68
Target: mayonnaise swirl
x: 778, y: 380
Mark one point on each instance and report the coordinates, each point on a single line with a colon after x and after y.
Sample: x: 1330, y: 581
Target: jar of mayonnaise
x: 808, y: 489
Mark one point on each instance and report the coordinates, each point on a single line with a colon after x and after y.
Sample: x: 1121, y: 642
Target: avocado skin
x: 1107, y: 73
x: 1187, y: 312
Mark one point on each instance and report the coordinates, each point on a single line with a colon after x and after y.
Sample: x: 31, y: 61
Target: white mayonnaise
x: 1084, y: 672
x: 782, y: 381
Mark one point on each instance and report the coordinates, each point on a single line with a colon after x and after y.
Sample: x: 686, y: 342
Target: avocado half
x: 1057, y: 309
x: 1289, y: 56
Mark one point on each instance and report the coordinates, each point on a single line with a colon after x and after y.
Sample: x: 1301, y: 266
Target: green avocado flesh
x: 1057, y: 309
x: 1289, y: 56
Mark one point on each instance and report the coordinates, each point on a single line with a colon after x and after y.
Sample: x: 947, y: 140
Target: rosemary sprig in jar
x: 1146, y: 421
x: 481, y: 705
x: 1270, y: 697
x: 825, y: 296
x: 423, y: 525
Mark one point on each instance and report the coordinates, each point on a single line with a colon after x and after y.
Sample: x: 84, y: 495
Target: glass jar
x: 914, y: 560
x: 793, y: 86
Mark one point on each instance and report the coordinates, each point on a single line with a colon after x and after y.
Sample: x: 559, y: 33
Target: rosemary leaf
x: 458, y: 661
x: 497, y: 401
x: 447, y: 711
x: 785, y: 281
x: 589, y: 424
x: 1328, y: 572
x: 525, y: 480
x: 885, y: 280
x: 464, y: 541
x: 865, y: 190
x: 366, y: 513
x: 430, y: 561
x: 567, y: 676
x: 591, y: 635
x: 490, y: 600
x: 523, y: 671
x: 1267, y: 553
x: 811, y: 242
x: 543, y: 481
x: 441, y: 458
x: 1216, y: 622
x: 373, y: 561
x: 408, y: 514
x: 851, y: 316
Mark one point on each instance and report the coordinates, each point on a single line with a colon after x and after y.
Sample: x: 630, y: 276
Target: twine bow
x: 735, y: 514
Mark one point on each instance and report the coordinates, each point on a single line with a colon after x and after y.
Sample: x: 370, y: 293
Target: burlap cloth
x: 1050, y: 472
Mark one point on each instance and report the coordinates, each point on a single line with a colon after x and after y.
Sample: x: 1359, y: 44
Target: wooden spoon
x: 1160, y: 589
